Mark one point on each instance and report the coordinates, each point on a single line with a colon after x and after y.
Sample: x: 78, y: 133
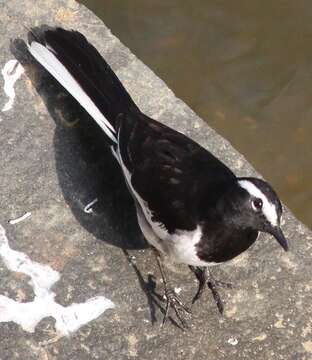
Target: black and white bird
x: 190, y: 206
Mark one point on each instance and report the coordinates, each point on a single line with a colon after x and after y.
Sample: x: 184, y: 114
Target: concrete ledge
x: 53, y: 162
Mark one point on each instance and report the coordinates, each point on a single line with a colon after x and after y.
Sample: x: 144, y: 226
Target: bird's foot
x: 204, y: 277
x: 181, y: 310
x: 213, y: 287
x: 223, y: 284
x: 172, y: 299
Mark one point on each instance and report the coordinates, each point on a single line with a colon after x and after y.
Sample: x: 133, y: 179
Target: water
x: 245, y: 67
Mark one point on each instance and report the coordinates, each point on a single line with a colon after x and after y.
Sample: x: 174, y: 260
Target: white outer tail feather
x: 50, y: 62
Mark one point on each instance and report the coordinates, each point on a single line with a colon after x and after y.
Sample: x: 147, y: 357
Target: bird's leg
x: 204, y: 276
x: 213, y: 287
x: 172, y: 298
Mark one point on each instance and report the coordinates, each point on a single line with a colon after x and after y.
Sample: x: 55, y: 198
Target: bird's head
x: 252, y: 203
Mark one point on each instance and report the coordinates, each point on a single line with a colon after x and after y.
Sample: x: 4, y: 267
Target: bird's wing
x: 169, y: 174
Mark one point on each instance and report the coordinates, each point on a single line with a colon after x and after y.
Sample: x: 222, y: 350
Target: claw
x: 224, y: 284
x: 172, y: 298
x: 205, y: 277
x: 174, y: 301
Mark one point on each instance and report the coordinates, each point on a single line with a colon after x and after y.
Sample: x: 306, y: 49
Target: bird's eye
x: 257, y: 204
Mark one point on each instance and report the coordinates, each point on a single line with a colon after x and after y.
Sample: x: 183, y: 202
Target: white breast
x: 180, y: 247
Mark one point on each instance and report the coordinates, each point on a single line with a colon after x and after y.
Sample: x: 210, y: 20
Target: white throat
x: 268, y: 209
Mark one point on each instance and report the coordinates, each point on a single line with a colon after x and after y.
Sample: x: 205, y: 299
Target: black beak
x: 279, y: 236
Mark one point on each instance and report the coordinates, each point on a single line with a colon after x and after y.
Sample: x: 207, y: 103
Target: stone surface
x: 54, y: 161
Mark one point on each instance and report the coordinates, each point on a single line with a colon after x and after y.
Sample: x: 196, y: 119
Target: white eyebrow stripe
x: 268, y: 208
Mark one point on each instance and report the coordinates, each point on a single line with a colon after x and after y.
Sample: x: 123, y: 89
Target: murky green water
x: 243, y: 66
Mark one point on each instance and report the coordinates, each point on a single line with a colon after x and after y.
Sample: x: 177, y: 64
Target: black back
x: 177, y: 178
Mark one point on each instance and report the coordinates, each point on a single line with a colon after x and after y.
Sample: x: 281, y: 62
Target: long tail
x: 82, y: 71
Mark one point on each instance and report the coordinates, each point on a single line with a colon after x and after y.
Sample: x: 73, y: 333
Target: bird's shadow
x: 87, y: 170
x: 85, y: 166
x: 153, y: 298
